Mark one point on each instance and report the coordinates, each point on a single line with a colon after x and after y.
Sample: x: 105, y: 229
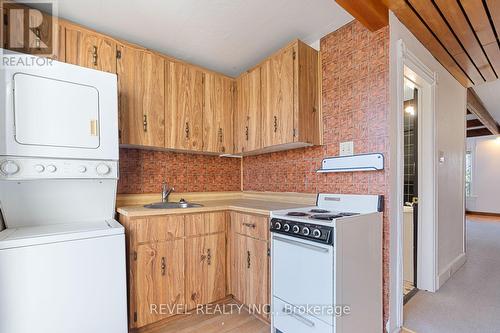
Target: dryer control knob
x: 9, y: 167
x: 102, y: 169
x: 39, y: 168
x: 51, y: 168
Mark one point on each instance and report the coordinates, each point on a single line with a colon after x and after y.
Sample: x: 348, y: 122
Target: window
x: 468, y: 173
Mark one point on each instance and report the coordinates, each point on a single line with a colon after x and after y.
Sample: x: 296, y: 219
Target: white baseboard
x: 451, y: 269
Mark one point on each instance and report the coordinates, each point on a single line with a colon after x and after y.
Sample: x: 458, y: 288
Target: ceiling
x: 489, y: 93
x: 227, y: 36
x: 462, y: 34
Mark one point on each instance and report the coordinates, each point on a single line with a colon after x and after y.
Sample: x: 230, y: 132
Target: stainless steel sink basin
x: 172, y: 205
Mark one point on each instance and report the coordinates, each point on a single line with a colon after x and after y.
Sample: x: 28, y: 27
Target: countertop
x: 253, y: 206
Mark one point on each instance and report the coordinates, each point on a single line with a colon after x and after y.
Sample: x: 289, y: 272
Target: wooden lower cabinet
x: 205, y: 269
x: 250, y: 272
x: 159, y: 280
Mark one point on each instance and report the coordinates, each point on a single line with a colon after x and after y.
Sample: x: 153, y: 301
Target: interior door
x: 278, y: 98
x: 184, y: 104
x: 51, y: 112
x: 141, y: 88
x: 160, y: 280
x: 216, y: 267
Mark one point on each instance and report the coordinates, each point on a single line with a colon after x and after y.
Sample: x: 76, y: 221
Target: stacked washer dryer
x: 62, y: 254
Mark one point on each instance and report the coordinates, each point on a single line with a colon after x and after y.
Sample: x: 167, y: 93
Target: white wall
x: 450, y: 109
x: 485, y: 174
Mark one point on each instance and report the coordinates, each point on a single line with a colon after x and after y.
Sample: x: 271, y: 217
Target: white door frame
x: 409, y: 65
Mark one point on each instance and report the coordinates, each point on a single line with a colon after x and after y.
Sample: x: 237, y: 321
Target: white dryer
x: 62, y: 254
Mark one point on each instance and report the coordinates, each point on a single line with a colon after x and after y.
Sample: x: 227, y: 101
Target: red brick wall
x: 142, y: 171
x: 355, y: 66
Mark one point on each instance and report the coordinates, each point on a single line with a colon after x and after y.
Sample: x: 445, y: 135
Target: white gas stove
x: 327, y: 265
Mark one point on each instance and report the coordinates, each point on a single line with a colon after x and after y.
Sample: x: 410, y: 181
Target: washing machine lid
x: 64, y: 232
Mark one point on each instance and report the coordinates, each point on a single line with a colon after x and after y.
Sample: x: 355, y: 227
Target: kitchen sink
x: 172, y: 205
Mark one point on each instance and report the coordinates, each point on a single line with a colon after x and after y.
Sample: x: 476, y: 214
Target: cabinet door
x: 278, y: 98
x: 238, y: 267
x: 218, y: 114
x: 87, y: 49
x: 184, y: 101
x: 159, y: 280
x: 216, y: 267
x: 257, y: 292
x: 247, y: 119
x: 196, y: 272
x: 141, y: 88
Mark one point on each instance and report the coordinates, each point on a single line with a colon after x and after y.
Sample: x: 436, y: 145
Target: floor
x: 470, y: 301
x: 219, y: 320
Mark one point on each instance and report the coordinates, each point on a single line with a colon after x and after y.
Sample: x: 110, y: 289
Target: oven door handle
x: 304, y: 245
x: 298, y: 317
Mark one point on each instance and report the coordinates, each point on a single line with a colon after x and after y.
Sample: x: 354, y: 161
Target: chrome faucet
x: 165, y: 191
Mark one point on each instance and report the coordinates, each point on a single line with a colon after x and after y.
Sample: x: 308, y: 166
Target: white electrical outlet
x: 346, y: 148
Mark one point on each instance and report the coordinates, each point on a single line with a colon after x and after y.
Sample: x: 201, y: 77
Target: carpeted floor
x: 470, y: 301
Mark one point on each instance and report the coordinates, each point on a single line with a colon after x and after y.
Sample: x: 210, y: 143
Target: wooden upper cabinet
x: 141, y: 90
x: 247, y: 117
x: 218, y: 114
x: 159, y: 280
x: 89, y: 49
x: 184, y: 104
x: 278, y: 98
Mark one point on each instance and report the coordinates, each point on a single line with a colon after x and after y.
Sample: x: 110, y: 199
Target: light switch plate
x: 347, y: 148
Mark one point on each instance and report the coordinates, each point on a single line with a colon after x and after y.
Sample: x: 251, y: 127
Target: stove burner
x: 318, y: 210
x: 329, y: 217
x: 297, y: 214
x: 325, y: 217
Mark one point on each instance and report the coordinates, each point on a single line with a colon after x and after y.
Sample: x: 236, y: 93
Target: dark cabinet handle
x: 249, y: 225
x: 248, y: 260
x: 275, y: 124
x: 94, y: 55
x: 246, y: 132
x: 145, y: 123
x: 220, y: 135
x: 163, y: 265
x: 209, y: 257
x: 187, y: 130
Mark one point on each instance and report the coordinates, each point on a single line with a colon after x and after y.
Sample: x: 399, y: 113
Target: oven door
x: 302, y: 274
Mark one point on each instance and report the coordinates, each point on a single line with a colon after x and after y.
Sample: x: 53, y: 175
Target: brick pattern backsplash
x: 142, y: 171
x: 355, y: 104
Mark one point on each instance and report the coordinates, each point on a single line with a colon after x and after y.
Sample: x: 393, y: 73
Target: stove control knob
x: 9, y: 168
x: 295, y: 229
x: 286, y: 227
x: 277, y: 225
x: 317, y: 233
x: 306, y: 231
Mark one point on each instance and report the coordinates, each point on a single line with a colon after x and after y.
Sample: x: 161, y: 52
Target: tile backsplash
x: 142, y: 171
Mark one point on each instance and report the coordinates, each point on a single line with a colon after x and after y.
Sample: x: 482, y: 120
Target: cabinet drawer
x: 250, y: 225
x: 289, y: 319
x: 206, y: 223
x: 160, y: 228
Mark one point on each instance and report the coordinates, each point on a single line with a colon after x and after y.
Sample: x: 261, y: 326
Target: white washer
x: 63, y: 278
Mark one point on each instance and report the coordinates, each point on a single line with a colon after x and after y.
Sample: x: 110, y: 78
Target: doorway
x: 410, y: 188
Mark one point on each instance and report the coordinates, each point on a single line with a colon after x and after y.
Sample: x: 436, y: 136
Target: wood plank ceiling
x: 461, y: 34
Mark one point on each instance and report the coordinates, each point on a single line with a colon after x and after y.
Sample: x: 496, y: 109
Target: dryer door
x: 51, y: 112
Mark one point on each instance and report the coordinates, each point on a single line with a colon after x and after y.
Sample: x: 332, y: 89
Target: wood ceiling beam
x: 475, y: 105
x: 474, y: 123
x: 373, y: 14
x: 478, y: 132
